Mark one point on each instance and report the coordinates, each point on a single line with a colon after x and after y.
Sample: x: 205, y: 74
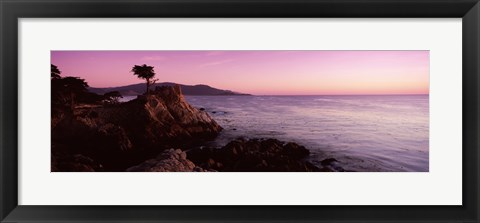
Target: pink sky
x: 259, y: 72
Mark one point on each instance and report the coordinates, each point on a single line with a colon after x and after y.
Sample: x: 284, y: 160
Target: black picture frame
x: 12, y: 10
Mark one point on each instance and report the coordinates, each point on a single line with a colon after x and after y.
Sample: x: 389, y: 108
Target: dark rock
x: 211, y: 163
x: 255, y: 155
x: 199, y: 169
x: 62, y: 162
x: 114, y: 135
x: 200, y: 155
x: 326, y: 169
x: 169, y: 161
x: 332, y: 165
x: 295, y: 150
x: 93, y: 114
x: 328, y: 161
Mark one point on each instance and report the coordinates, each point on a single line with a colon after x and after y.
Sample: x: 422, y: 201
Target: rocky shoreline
x: 160, y: 131
x: 254, y: 155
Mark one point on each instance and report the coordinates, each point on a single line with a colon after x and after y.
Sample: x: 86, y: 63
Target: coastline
x: 197, y: 123
x: 162, y: 132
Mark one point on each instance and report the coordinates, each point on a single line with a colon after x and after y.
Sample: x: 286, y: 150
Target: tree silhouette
x: 112, y: 97
x: 66, y: 90
x: 56, y: 87
x: 73, y: 86
x: 54, y: 72
x: 145, y: 72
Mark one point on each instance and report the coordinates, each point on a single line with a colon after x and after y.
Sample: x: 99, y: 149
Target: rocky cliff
x: 139, y: 136
x: 118, y: 136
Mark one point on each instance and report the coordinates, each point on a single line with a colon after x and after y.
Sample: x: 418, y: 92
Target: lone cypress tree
x: 144, y: 72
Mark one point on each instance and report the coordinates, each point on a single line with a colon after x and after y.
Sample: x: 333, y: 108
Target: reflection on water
x: 126, y: 98
x: 365, y: 133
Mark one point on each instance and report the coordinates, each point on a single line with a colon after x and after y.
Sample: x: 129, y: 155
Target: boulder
x: 254, y: 155
x: 331, y: 165
x: 169, y: 161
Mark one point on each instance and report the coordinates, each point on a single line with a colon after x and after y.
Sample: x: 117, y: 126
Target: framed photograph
x: 227, y: 111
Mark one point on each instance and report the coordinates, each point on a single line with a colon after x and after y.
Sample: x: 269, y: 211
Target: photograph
x: 240, y: 110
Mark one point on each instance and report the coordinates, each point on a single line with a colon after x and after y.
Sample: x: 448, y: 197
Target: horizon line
x: 334, y: 94
x: 244, y: 94
x: 250, y: 94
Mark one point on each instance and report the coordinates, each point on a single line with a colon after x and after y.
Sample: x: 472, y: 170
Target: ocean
x: 364, y: 133
x: 367, y: 133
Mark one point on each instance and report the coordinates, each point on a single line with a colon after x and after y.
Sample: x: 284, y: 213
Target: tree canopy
x: 65, y: 90
x: 54, y: 72
x: 144, y: 72
x: 74, y: 84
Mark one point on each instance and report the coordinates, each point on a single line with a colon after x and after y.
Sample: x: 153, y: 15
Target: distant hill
x: 138, y: 89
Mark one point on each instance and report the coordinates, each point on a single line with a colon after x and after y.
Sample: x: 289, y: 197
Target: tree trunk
x: 148, y: 85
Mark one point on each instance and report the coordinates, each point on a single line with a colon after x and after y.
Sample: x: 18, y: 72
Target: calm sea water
x: 364, y: 133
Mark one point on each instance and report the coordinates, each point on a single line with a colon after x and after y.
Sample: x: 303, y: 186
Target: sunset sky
x: 259, y: 72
